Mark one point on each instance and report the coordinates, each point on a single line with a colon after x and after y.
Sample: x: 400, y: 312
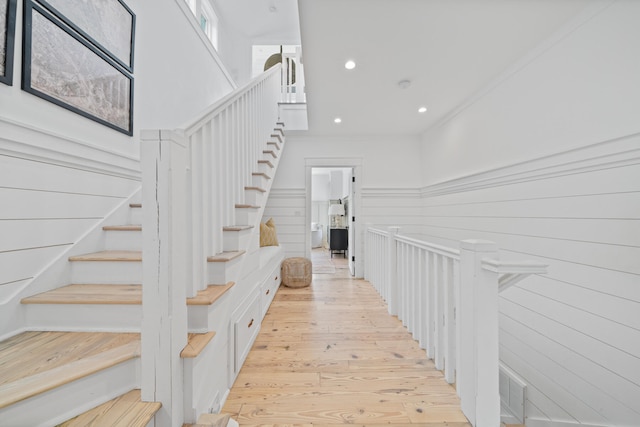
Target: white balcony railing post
x: 477, y: 378
x: 392, y: 271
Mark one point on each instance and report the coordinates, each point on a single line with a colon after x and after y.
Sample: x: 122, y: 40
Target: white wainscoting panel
x: 573, y: 335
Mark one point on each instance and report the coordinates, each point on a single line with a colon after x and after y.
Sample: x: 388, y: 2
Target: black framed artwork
x: 7, y: 39
x: 108, y: 24
x: 63, y: 67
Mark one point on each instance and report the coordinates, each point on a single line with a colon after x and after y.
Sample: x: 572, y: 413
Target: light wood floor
x: 330, y: 354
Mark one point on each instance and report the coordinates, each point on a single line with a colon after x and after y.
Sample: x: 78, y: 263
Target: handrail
x: 226, y: 100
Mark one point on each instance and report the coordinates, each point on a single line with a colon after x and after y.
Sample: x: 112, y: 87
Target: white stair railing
x: 192, y: 179
x: 448, y: 300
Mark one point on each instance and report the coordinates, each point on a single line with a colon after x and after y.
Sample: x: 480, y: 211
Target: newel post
x: 477, y: 377
x: 164, y: 311
x: 392, y: 271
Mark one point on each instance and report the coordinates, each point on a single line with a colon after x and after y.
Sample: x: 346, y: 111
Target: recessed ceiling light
x: 337, y: 120
x: 350, y: 65
x: 422, y: 110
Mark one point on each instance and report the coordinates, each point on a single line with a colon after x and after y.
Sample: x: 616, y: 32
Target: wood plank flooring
x: 330, y: 354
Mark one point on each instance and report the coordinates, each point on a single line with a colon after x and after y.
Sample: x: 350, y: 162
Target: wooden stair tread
x: 242, y: 206
x: 129, y: 227
x: 89, y: 294
x: 225, y: 256
x: 127, y: 410
x: 262, y: 174
x: 262, y: 190
x: 237, y: 227
x: 35, y: 362
x: 266, y: 162
x: 135, y: 205
x: 195, y: 344
x: 273, y: 153
x: 210, y: 295
x: 131, y: 256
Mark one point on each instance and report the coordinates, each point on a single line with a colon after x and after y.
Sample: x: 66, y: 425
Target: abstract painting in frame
x: 62, y: 67
x: 107, y: 24
x: 7, y: 39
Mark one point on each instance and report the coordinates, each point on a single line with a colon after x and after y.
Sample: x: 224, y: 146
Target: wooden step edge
x: 277, y: 135
x: 225, y: 256
x: 126, y: 256
x: 129, y: 227
x: 33, y: 385
x: 266, y: 162
x: 195, y: 344
x: 261, y: 190
x: 242, y: 206
x: 210, y: 295
x: 281, y: 124
x: 89, y: 294
x: 273, y: 153
x: 262, y: 174
x: 127, y: 410
x: 237, y: 227
x: 275, y: 144
x: 135, y: 205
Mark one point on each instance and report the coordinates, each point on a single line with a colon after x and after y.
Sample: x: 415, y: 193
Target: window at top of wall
x: 209, y: 22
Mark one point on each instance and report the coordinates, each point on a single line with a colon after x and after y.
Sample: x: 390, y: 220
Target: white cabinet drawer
x: 246, y: 328
x: 269, y: 288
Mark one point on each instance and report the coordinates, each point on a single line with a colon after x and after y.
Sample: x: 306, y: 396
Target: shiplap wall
x: 53, y: 191
x: 573, y: 334
x: 546, y: 163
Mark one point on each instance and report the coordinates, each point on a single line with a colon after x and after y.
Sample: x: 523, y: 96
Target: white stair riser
x: 123, y: 240
x: 236, y: 240
x: 204, y: 382
x: 260, y: 181
x: 106, y: 272
x: 223, y: 272
x: 214, y: 317
x: 246, y: 216
x: 254, y: 197
x: 67, y: 401
x: 84, y: 317
x: 135, y: 216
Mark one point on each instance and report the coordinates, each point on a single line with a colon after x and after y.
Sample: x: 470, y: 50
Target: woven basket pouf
x: 296, y: 272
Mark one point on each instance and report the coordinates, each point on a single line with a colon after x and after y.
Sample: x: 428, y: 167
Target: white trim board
x: 617, y: 152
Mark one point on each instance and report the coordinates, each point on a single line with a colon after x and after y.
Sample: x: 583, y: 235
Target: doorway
x: 332, y: 202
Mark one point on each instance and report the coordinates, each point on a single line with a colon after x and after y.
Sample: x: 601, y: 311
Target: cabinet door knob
x: 250, y: 323
x: 268, y: 290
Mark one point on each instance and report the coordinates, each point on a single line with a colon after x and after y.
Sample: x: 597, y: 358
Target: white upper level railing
x: 448, y: 300
x: 192, y: 179
x: 293, y: 87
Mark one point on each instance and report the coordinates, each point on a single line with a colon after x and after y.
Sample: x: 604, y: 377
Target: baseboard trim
x: 548, y: 423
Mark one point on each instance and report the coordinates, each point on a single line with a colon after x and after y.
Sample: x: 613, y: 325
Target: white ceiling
x: 448, y: 49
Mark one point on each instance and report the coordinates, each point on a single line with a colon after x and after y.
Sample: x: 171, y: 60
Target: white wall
x: 573, y: 334
x: 390, y: 172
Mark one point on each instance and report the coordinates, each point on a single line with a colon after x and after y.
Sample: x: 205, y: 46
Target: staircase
x: 80, y: 361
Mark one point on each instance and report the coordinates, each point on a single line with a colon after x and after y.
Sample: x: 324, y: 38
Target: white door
x: 352, y: 226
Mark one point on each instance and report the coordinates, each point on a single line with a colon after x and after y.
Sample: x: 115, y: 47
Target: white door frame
x: 345, y: 162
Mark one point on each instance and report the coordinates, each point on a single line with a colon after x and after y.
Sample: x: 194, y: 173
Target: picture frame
x: 62, y: 67
x: 7, y: 40
x: 117, y: 39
